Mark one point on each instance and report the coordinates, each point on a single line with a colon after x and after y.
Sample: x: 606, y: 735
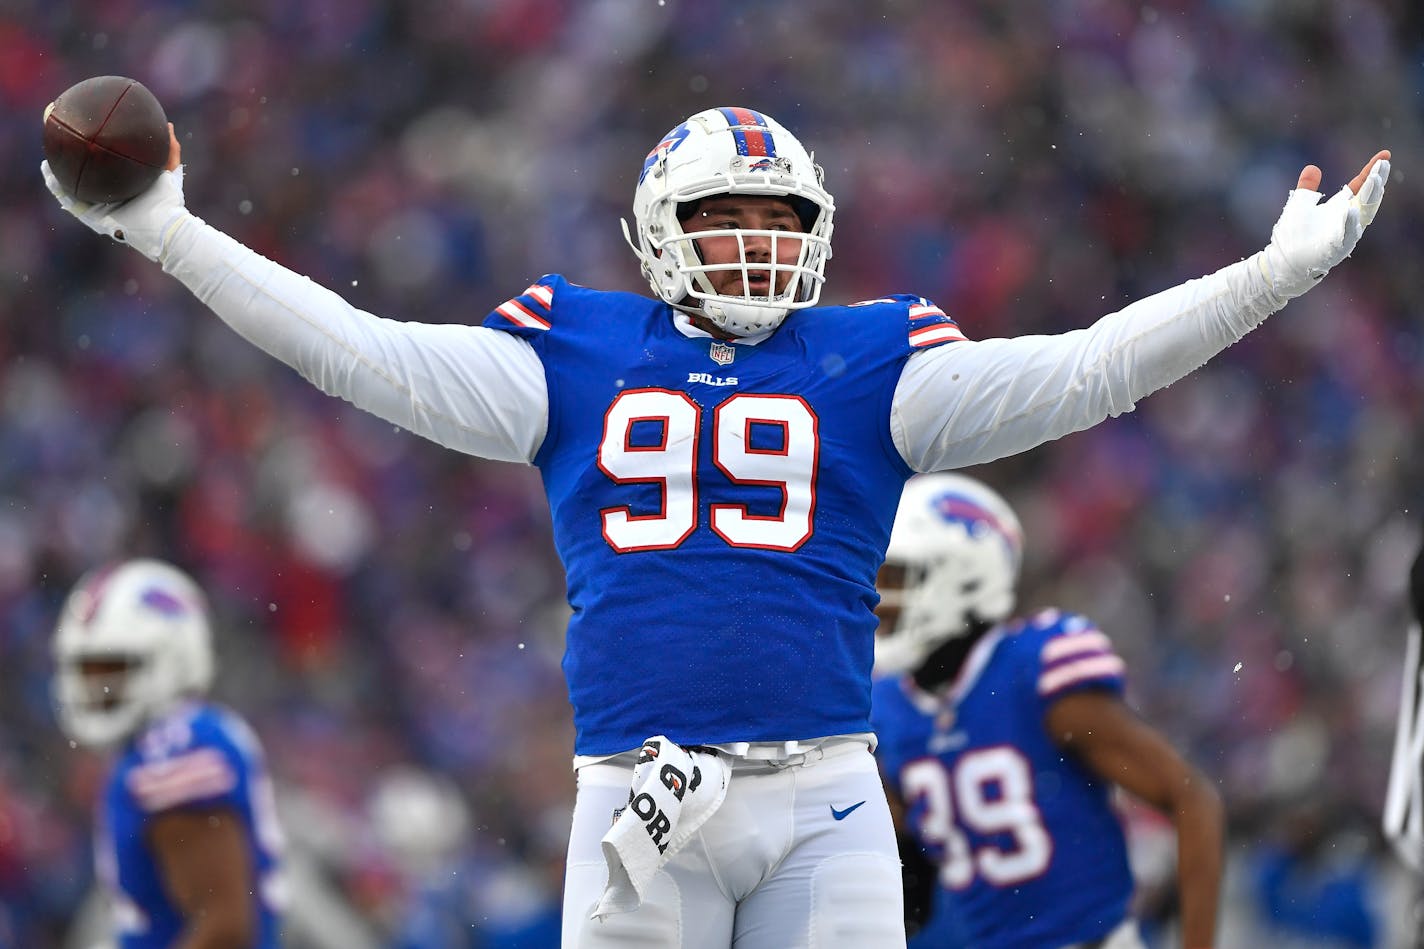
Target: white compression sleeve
x: 968, y: 403
x: 475, y: 390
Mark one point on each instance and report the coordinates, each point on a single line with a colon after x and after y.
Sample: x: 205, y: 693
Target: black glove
x: 920, y: 876
x: 1416, y: 585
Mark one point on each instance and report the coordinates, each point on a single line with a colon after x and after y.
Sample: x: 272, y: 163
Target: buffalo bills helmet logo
x: 161, y: 601
x: 668, y: 145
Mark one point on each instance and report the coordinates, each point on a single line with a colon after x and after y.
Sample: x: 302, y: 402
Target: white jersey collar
x: 974, y: 664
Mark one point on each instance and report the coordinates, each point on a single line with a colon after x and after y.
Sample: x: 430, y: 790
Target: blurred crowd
x: 392, y: 612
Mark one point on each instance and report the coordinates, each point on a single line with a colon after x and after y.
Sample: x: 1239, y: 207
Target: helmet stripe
x: 756, y: 141
x: 93, y: 589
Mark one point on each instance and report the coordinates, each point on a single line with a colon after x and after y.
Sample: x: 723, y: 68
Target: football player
x: 1003, y: 739
x: 187, y: 843
x: 722, y: 461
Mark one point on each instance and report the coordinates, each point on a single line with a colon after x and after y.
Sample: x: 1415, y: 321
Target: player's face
x: 746, y: 212
x: 104, y: 679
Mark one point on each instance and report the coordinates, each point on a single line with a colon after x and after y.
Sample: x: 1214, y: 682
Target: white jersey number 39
x: 671, y: 464
x: 992, y: 791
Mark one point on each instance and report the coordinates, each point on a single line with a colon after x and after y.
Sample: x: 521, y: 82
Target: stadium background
x: 385, y: 604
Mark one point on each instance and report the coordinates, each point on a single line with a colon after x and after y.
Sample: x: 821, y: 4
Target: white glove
x: 1309, y: 237
x: 144, y: 223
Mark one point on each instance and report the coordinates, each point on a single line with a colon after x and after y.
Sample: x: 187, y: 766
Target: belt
x: 773, y: 754
x: 786, y: 754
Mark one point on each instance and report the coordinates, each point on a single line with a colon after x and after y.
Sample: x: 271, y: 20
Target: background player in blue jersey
x: 1003, y: 740
x: 187, y: 839
x: 722, y: 478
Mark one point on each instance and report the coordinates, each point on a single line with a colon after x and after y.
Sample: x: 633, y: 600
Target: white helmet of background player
x: 729, y: 151
x: 420, y: 817
x: 149, y: 621
x: 960, y: 546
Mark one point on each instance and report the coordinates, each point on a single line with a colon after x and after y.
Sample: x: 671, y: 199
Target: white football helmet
x: 960, y: 546
x: 151, y: 618
x: 729, y: 151
x: 420, y: 817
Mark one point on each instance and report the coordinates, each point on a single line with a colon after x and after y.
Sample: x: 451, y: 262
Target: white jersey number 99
x: 671, y: 464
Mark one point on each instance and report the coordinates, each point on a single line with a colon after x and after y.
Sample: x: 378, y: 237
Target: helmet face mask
x: 131, y: 642
x: 731, y: 151
x: 100, y: 697
x: 952, y: 564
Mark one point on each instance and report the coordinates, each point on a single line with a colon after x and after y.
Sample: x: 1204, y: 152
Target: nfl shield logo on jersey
x: 722, y: 353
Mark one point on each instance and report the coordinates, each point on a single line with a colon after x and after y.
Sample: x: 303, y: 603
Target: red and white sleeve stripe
x: 935, y: 333
x: 1076, y: 658
x: 531, y: 308
x: 940, y: 328
x: 194, y: 776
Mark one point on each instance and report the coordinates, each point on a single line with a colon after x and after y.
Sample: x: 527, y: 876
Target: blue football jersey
x: 200, y: 755
x: 944, y: 929
x: 721, y: 510
x: 1031, y: 851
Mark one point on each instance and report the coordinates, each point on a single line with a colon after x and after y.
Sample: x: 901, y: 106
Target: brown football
x: 106, y: 138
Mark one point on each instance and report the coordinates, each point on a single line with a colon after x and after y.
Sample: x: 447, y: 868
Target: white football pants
x: 773, y: 868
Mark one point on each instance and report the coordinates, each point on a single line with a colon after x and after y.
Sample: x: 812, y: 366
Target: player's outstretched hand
x: 143, y: 222
x: 1312, y: 236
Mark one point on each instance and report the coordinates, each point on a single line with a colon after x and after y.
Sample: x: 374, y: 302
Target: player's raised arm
x: 971, y: 403
x: 468, y: 388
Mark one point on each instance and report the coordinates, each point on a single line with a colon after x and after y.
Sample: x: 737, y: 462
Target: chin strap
x: 743, y: 319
